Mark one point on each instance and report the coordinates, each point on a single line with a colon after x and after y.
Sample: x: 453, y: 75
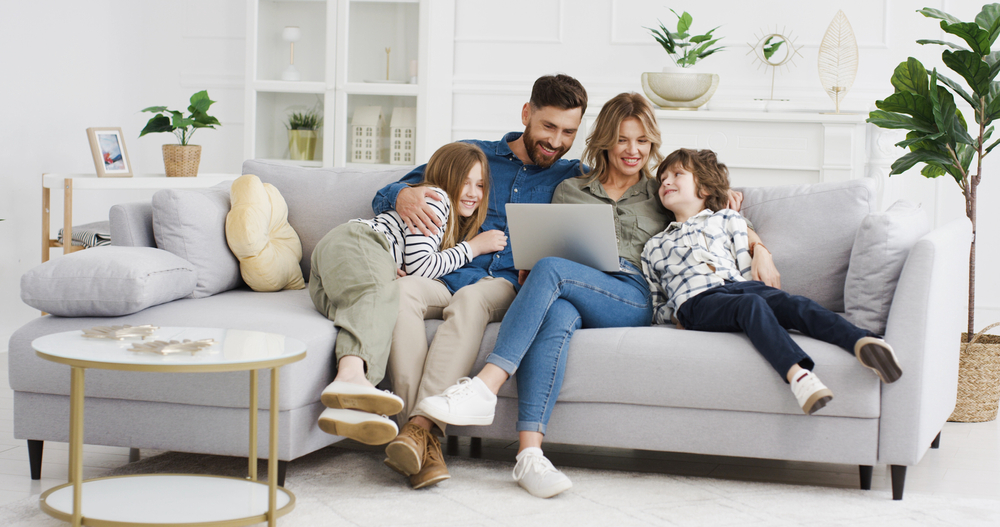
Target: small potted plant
x: 677, y: 87
x: 303, y: 132
x: 182, y: 159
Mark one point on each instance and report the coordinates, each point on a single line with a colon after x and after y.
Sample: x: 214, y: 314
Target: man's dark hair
x: 561, y: 91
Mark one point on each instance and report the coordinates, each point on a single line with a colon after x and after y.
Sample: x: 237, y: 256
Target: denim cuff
x: 524, y: 426
x: 502, y: 363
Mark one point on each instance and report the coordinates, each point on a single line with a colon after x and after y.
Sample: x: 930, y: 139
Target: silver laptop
x: 582, y: 233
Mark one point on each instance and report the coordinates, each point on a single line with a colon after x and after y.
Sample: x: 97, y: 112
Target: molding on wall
x: 615, y: 40
x: 556, y: 39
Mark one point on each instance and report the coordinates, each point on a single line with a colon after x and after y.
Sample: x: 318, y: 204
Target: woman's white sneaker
x: 469, y: 402
x: 535, y: 473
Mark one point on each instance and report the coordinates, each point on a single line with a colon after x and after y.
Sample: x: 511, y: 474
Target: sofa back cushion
x: 810, y: 231
x: 319, y: 199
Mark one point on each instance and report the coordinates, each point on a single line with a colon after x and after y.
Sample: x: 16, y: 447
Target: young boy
x: 698, y: 270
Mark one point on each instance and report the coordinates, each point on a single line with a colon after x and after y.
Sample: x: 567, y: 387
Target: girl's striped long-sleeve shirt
x: 415, y: 253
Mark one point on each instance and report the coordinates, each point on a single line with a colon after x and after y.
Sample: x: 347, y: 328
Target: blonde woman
x: 353, y: 282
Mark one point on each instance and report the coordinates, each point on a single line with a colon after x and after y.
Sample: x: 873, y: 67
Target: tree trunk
x: 972, y: 260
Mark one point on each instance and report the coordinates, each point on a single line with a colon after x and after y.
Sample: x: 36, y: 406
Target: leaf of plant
x: 897, y: 121
x: 960, y: 90
x: 992, y: 110
x: 771, y: 50
x: 918, y: 156
x: 976, y: 37
x: 701, y: 38
x: 915, y: 139
x: 971, y: 67
x: 158, y: 123
x: 910, y: 76
x: 910, y: 104
x: 937, y: 13
x: 181, y: 122
x: 990, y: 148
x: 988, y: 18
x: 945, y: 116
x: 943, y: 43
x: 684, y: 22
x: 965, y: 155
x: 155, y: 109
x: 933, y: 170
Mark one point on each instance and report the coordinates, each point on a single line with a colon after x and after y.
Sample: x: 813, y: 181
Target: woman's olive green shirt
x: 638, y: 213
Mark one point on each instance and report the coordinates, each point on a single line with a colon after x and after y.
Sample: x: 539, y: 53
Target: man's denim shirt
x: 511, y: 181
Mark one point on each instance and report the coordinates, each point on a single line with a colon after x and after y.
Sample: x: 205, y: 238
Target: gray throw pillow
x: 191, y: 223
x: 880, y: 249
x: 107, y: 282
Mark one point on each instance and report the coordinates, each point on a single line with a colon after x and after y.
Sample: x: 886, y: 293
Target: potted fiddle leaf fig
x: 677, y: 86
x: 182, y: 159
x: 940, y: 137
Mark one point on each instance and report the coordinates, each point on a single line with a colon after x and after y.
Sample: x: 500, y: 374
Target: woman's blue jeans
x: 558, y: 298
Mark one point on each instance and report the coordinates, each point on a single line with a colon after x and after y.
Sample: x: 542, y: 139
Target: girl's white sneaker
x: 535, y: 473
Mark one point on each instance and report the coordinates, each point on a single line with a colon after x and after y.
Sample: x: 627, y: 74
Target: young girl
x: 352, y: 282
x: 698, y: 271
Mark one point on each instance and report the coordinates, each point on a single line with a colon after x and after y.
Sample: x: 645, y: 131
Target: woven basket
x: 978, y: 378
x: 181, y: 160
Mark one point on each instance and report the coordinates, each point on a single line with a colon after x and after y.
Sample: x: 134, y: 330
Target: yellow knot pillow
x: 258, y: 233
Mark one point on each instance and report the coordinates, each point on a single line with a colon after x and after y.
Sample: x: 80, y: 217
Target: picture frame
x: 107, y: 145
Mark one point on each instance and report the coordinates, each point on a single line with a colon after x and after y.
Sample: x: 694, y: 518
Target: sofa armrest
x: 927, y: 316
x: 132, y: 224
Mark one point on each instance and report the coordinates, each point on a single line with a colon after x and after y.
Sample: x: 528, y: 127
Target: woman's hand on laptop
x: 488, y: 242
x: 411, y: 204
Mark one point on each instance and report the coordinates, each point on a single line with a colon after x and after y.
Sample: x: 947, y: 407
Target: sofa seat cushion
x: 669, y: 367
x: 287, y: 312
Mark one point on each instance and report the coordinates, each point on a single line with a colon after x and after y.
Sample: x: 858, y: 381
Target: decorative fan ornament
x: 838, y: 59
x: 119, y: 332
x: 166, y: 348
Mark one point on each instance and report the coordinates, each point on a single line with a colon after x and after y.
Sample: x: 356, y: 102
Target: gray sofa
x: 653, y: 388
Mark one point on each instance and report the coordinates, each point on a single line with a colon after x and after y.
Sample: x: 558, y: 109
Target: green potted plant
x: 940, y: 137
x: 182, y: 159
x: 677, y: 87
x: 303, y: 132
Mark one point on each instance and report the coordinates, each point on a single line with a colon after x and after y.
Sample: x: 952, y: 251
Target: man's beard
x: 534, y: 151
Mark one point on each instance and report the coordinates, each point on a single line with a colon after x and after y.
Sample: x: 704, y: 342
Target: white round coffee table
x: 176, y: 499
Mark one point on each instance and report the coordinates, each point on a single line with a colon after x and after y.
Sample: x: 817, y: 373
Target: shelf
x: 311, y: 164
x: 290, y: 87
x: 375, y: 88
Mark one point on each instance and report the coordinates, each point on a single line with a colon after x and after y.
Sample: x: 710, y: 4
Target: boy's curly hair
x: 711, y: 178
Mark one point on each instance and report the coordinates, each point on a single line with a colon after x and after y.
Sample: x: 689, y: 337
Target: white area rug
x: 339, y: 487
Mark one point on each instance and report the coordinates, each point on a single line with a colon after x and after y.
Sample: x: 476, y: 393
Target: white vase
x: 679, y: 88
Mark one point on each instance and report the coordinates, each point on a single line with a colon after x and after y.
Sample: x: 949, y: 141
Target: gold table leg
x: 272, y: 455
x: 76, y: 442
x: 253, y: 425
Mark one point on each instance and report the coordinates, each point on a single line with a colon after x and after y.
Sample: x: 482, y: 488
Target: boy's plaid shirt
x: 706, y: 251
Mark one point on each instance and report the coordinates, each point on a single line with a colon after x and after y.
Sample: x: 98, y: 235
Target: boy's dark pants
x: 765, y: 314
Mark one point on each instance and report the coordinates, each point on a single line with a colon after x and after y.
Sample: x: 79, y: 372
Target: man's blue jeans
x: 558, y: 298
x: 765, y: 314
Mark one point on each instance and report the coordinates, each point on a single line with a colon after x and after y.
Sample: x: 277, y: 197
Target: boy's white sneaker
x: 810, y: 392
x: 535, y: 473
x: 469, y: 402
x: 877, y: 355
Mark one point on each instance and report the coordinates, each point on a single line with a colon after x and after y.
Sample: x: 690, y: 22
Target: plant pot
x: 679, y: 90
x: 181, y: 160
x: 978, y: 379
x: 302, y: 144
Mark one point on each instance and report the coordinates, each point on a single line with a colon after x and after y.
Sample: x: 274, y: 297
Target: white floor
x: 967, y: 464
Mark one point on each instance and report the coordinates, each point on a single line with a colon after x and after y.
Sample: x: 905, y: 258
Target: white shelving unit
x: 341, y: 57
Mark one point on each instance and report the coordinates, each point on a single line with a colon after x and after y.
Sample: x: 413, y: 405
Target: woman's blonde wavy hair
x: 604, y: 137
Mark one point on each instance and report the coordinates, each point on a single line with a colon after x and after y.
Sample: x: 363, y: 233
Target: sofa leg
x: 898, y: 480
x: 476, y: 447
x: 134, y: 455
x: 452, y: 446
x: 282, y: 468
x: 35, y: 457
x: 937, y: 441
x: 865, y: 471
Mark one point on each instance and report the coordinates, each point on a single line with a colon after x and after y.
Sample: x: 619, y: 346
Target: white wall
x: 68, y: 65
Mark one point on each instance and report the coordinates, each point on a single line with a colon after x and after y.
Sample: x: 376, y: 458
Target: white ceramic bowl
x: 679, y: 90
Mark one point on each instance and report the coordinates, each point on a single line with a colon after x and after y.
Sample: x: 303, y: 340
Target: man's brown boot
x: 434, y: 470
x: 406, y: 452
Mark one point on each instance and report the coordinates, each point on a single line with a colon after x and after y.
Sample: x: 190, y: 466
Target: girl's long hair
x: 604, y: 137
x: 448, y: 169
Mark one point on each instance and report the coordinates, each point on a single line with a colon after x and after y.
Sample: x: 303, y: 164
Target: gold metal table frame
x: 78, y: 368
